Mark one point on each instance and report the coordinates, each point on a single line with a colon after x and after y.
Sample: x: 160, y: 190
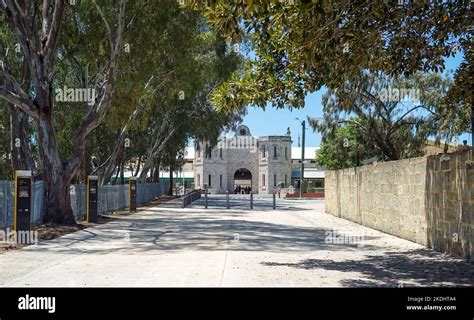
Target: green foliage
x: 304, y: 46
x: 165, y: 50
x: 394, y: 125
x: 344, y: 147
x: 6, y: 172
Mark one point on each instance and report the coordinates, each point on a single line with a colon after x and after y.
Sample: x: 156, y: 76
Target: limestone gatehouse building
x: 262, y: 164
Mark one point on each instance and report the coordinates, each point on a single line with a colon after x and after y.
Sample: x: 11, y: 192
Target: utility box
x: 92, y: 199
x: 132, y: 193
x: 22, y: 203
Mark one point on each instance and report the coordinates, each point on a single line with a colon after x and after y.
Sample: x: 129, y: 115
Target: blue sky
x: 276, y: 121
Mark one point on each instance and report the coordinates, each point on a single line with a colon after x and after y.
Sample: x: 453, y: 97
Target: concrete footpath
x: 295, y: 245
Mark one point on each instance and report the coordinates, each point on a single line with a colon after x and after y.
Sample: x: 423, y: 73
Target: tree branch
x: 52, y: 37
x: 98, y: 110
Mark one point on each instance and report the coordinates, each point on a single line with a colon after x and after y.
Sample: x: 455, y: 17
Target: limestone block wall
x: 263, y: 178
x: 428, y: 200
x: 263, y: 157
x: 450, y: 203
x: 271, y: 165
x: 242, y: 159
x: 280, y: 168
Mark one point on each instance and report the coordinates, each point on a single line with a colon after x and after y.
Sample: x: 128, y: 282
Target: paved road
x: 170, y: 246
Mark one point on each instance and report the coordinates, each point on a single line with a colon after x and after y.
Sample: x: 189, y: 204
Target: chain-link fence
x: 37, y: 201
x: 78, y: 199
x: 6, y: 203
x: 111, y: 198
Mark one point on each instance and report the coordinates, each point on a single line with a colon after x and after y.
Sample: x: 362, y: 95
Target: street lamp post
x: 472, y: 127
x: 303, y: 125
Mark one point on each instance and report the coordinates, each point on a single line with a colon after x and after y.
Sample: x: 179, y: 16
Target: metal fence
x: 190, y: 197
x: 6, y: 203
x: 111, y: 198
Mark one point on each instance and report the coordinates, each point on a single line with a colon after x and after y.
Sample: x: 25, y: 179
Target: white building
x: 263, y: 163
x: 240, y: 160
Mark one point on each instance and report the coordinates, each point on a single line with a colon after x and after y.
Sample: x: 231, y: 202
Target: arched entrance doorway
x: 242, y: 181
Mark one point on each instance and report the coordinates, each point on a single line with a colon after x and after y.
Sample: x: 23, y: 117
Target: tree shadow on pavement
x: 196, y: 231
x: 422, y: 267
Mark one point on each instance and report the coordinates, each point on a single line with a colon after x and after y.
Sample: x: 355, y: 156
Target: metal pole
x: 472, y: 126
x: 251, y: 199
x: 274, y: 200
x: 357, y: 154
x: 205, y: 199
x: 227, y: 198
x: 302, y: 160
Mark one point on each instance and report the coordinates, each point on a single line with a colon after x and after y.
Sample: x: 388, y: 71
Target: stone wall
x: 279, y: 166
x: 450, y: 203
x: 428, y: 200
x: 232, y: 154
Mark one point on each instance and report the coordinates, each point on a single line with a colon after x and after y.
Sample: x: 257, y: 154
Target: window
x: 319, y: 184
x: 264, y: 151
x: 198, y: 180
x: 209, y: 184
x: 286, y: 152
x: 274, y: 151
x: 220, y: 153
x: 274, y: 180
x: 220, y: 181
x: 263, y: 180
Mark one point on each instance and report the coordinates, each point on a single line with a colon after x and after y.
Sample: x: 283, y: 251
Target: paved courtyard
x: 291, y: 246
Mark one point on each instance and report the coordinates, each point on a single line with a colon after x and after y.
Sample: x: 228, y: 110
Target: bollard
x: 205, y: 199
x: 274, y: 200
x: 92, y: 198
x: 251, y: 199
x: 227, y: 198
x: 132, y: 193
x: 22, y: 202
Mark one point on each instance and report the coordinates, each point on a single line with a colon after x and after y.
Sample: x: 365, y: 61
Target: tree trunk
x: 152, y: 173
x: 158, y: 169
x: 156, y: 173
x: 170, y: 192
x: 138, y: 166
x: 58, y: 181
x: 155, y: 152
x: 147, y: 166
x: 117, y: 172
x: 58, y: 203
x: 122, y: 178
x: 21, y: 157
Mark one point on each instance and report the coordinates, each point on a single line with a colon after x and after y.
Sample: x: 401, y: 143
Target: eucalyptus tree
x: 21, y: 152
x: 78, y: 96
x: 177, y: 67
x: 392, y: 116
x: 37, y: 29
